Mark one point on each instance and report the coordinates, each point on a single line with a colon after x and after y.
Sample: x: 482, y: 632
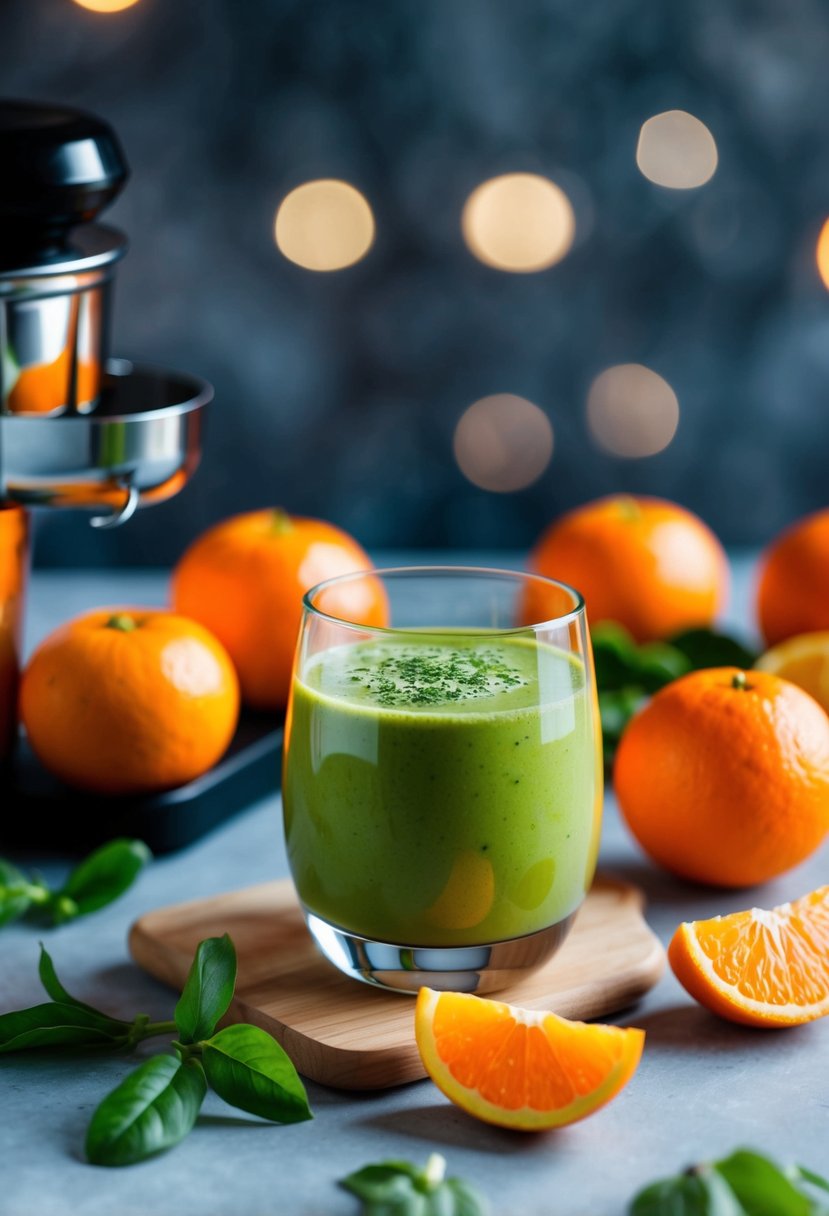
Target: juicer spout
x: 122, y: 514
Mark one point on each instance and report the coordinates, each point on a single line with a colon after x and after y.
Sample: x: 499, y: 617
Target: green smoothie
x: 440, y: 790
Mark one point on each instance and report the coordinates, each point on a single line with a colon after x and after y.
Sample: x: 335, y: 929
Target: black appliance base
x: 39, y: 813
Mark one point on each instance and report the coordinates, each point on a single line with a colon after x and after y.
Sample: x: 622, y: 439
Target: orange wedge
x: 804, y: 660
x: 521, y: 1068
x: 761, y: 967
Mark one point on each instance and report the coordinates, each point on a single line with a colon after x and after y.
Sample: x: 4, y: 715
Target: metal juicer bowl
x: 140, y: 445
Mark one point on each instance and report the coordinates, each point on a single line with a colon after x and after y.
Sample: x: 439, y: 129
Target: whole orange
x: 724, y: 776
x: 644, y: 562
x: 244, y: 579
x: 793, y: 592
x: 126, y: 701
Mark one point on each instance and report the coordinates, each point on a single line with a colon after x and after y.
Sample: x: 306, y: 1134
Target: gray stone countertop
x: 704, y: 1086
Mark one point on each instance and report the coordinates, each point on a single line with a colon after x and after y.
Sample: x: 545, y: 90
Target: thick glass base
x: 445, y: 968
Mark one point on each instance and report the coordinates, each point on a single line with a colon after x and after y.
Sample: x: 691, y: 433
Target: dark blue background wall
x: 338, y: 394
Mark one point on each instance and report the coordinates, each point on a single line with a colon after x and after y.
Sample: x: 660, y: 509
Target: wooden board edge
x: 368, y: 1069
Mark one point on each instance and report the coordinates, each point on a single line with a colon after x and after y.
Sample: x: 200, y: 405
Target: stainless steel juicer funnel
x: 76, y: 428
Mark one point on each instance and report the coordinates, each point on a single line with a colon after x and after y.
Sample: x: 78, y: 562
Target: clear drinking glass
x: 442, y: 777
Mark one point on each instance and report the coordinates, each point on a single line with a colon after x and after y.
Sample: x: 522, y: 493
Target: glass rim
x: 495, y: 572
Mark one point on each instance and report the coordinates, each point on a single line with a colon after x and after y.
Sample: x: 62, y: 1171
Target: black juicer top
x: 58, y: 168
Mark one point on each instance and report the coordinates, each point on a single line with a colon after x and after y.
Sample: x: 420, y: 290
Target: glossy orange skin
x: 244, y: 579
x: 793, y: 591
x: 14, y: 562
x: 644, y: 562
x: 120, y: 712
x: 724, y: 785
x: 45, y: 387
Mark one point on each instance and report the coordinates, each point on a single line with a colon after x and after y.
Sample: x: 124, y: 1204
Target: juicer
x: 78, y: 429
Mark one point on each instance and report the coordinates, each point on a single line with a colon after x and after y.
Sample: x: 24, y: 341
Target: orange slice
x: 804, y: 660
x: 761, y: 967
x: 521, y: 1068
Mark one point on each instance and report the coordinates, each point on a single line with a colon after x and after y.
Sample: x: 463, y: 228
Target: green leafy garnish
x: 67, y: 1022
x: 15, y: 893
x: 54, y: 988
x: 616, y: 709
x: 434, y: 675
x: 208, y: 991
x: 157, y: 1104
x: 152, y: 1109
x: 707, y: 648
x: 398, y: 1188
x: 249, y: 1069
x: 98, y: 880
x: 627, y: 673
x: 58, y: 1025
x: 744, y: 1184
x: 103, y: 876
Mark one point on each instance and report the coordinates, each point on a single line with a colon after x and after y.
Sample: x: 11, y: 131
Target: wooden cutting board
x: 352, y: 1036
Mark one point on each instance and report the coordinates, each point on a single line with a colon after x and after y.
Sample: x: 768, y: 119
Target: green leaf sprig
x: 67, y: 1022
x: 744, y: 1184
x: 157, y: 1104
x: 98, y: 880
x: 398, y: 1188
x: 627, y: 673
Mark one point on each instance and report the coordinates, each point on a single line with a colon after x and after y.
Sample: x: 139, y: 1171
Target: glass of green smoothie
x: 442, y: 776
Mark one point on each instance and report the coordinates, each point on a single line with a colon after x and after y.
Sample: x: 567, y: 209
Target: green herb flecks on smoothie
x: 424, y: 675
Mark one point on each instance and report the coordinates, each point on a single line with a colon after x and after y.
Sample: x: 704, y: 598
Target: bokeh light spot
x: 632, y: 411
x: 324, y: 225
x: 106, y: 6
x: 503, y: 443
x: 519, y: 222
x: 823, y: 254
x: 676, y: 150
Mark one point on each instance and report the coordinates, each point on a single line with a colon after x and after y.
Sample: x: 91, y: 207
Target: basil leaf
x: 659, y: 663
x: 468, y: 1201
x: 681, y: 1196
x: 382, y: 1182
x: 762, y: 1187
x: 14, y: 898
x: 250, y: 1070
x: 614, y: 656
x: 397, y: 1188
x: 615, y: 710
x: 103, y: 876
x: 708, y: 648
x: 56, y: 1025
x: 152, y: 1109
x: 702, y: 1192
x: 801, y: 1174
x: 55, y: 989
x: 618, y: 707
x: 208, y: 991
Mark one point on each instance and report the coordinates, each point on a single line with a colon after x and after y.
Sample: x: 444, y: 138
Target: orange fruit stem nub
x: 122, y: 622
x: 281, y: 522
